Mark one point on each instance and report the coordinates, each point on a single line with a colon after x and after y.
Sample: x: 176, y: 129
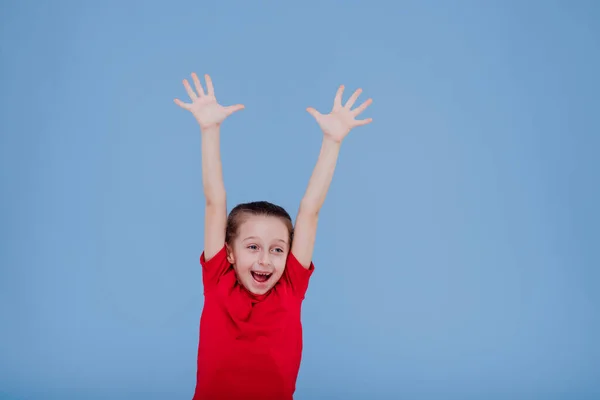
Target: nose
x: 264, y: 258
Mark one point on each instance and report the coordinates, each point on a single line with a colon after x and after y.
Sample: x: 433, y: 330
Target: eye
x: 279, y: 250
x: 253, y: 247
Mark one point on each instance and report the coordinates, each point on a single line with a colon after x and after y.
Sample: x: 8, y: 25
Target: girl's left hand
x: 337, y: 124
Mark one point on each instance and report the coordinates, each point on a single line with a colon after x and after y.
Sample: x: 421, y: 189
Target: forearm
x: 212, y: 171
x: 319, y: 182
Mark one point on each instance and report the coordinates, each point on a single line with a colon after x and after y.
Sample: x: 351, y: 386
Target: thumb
x: 313, y: 112
x: 231, y: 109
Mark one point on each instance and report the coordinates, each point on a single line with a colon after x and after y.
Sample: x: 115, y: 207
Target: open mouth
x: 261, y: 277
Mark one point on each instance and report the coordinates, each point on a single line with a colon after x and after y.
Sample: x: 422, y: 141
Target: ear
x: 230, y: 257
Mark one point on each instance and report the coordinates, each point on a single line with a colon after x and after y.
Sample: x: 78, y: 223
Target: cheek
x: 279, y: 264
x: 243, y: 261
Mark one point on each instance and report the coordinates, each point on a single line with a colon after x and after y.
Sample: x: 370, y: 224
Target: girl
x: 256, y: 265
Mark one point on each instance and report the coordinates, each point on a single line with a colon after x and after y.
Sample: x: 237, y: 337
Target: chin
x: 258, y: 289
x: 258, y: 292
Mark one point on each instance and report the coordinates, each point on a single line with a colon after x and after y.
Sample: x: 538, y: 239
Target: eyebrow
x: 256, y: 237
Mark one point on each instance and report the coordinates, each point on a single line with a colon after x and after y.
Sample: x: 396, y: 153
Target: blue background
x: 457, y: 252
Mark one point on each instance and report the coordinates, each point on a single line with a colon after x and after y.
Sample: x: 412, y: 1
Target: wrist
x: 210, y: 130
x: 331, y: 143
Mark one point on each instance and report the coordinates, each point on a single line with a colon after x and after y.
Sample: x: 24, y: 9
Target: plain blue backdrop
x: 457, y: 252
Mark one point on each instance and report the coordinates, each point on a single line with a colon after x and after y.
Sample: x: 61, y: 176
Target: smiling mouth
x: 261, y: 277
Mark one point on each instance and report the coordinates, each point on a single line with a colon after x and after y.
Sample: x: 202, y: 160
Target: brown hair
x: 236, y: 217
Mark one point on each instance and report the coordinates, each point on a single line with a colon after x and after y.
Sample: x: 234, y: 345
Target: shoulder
x: 214, y: 268
x: 296, y: 276
x: 293, y: 263
x: 219, y: 258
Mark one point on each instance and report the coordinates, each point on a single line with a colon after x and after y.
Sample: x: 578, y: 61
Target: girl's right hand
x: 204, y: 107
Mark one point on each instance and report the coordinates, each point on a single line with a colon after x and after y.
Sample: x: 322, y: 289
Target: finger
x: 362, y: 107
x: 198, y: 84
x: 181, y: 104
x: 209, y: 85
x: 337, y: 102
x: 313, y: 112
x: 353, y: 98
x: 231, y: 109
x: 189, y: 90
x: 362, y: 122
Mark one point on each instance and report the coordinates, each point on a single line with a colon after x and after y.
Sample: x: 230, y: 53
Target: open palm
x: 204, y: 106
x: 339, y: 122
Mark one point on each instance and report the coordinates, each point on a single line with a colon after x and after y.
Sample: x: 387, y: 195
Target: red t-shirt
x: 250, y: 346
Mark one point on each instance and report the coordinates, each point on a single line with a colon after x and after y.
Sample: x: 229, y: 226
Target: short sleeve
x: 214, y: 268
x: 297, y: 277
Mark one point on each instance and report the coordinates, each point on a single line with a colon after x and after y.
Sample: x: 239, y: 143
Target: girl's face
x: 259, y: 252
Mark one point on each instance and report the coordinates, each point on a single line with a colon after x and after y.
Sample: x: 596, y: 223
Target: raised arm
x: 210, y: 115
x: 335, y: 126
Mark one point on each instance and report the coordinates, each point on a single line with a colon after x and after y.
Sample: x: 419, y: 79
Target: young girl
x: 256, y: 265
